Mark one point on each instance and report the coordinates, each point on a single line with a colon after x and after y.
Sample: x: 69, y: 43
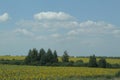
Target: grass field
x: 22, y: 72
x: 111, y: 61
x: 12, y: 57
x: 14, y: 72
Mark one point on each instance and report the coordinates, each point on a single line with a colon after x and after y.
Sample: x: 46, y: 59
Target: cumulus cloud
x: 60, y: 24
x: 4, y: 17
x: 53, y: 16
x: 94, y: 28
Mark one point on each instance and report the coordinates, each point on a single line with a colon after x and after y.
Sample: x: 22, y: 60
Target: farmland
x: 109, y: 60
x: 25, y: 72
x: 15, y: 72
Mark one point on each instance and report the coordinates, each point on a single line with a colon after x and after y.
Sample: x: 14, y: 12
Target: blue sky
x: 82, y: 27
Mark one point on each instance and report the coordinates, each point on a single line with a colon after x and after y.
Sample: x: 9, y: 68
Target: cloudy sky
x: 82, y: 27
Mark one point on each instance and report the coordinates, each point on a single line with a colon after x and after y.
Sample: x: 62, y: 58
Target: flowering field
x: 111, y: 61
x: 14, y: 72
x: 12, y: 57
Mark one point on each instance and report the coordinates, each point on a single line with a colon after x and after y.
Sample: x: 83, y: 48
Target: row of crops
x: 14, y: 72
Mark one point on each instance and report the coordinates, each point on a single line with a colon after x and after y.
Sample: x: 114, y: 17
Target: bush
x: 92, y: 61
x: 102, y: 63
x: 117, y: 74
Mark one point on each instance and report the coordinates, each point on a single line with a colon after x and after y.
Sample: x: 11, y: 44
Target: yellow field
x: 14, y: 72
x: 111, y: 61
x: 12, y: 57
x: 85, y: 60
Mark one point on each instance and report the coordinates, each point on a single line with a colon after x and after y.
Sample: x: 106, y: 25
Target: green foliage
x: 92, y: 61
x: 65, y: 57
x: 79, y: 63
x: 32, y: 56
x: 41, y: 58
x: 102, y: 63
x: 41, y: 53
x: 49, y: 56
x: 55, y: 56
x: 117, y: 74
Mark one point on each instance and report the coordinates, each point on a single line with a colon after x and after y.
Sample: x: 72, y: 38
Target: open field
x: 111, y: 61
x: 14, y: 72
x: 12, y: 57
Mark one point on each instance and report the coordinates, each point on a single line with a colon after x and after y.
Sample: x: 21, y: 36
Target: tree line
x: 50, y: 58
x: 41, y: 57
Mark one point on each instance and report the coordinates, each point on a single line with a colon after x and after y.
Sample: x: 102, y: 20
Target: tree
x: 28, y: 57
x: 43, y: 60
x: 34, y: 54
x: 41, y: 52
x: 55, y: 59
x: 102, y: 63
x: 49, y: 56
x: 65, y: 57
x: 92, y: 61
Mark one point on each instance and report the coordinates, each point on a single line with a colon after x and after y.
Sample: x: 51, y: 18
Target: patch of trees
x: 41, y: 57
x: 50, y: 58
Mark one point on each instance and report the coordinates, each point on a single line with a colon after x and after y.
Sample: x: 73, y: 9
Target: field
x: 12, y: 57
x: 14, y: 72
x: 111, y: 61
x: 22, y: 72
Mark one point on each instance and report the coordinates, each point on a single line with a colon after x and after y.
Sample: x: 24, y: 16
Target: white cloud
x: 60, y: 24
x: 24, y: 32
x: 94, y: 28
x: 53, y: 16
x: 40, y: 38
x: 72, y: 33
x: 56, y: 35
x: 4, y: 17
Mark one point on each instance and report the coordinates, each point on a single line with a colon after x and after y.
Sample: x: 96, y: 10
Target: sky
x: 82, y: 27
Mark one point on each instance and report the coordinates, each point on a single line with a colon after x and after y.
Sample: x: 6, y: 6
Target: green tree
x: 31, y: 58
x: 102, y: 63
x: 92, y: 61
x: 55, y: 59
x: 65, y: 57
x: 41, y: 52
x: 49, y: 56
x: 43, y: 60
x: 28, y: 57
x: 34, y: 55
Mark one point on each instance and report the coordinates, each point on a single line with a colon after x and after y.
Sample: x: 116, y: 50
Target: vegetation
x: 50, y: 58
x: 65, y: 57
x: 22, y: 72
x: 92, y: 61
x: 41, y: 58
x: 48, y: 66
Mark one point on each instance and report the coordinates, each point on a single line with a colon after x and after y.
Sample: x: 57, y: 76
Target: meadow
x: 25, y: 72
x: 85, y: 60
x: 22, y: 72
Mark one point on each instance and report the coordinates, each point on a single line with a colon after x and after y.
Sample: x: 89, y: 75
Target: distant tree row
x: 101, y: 63
x: 50, y: 58
x: 41, y: 57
